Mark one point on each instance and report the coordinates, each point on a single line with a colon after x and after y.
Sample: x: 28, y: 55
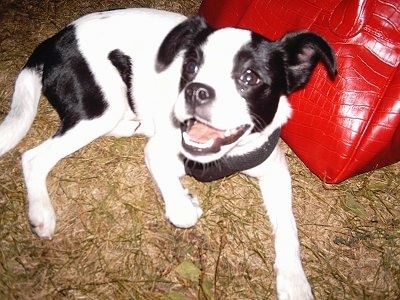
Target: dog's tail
x: 23, y: 108
x: 25, y: 100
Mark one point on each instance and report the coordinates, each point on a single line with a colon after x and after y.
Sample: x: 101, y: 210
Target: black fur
x: 67, y: 80
x: 192, y: 55
x: 303, y: 50
x: 188, y: 34
x: 283, y: 66
x: 123, y: 64
x: 260, y: 56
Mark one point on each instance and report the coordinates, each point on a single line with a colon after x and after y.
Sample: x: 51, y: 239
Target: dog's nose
x: 199, y: 94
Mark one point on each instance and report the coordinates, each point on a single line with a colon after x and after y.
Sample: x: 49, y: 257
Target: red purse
x: 351, y: 125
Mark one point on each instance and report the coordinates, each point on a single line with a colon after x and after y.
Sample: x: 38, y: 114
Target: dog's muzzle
x: 198, y: 136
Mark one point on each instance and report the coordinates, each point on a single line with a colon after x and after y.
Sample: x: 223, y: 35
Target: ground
x: 112, y: 241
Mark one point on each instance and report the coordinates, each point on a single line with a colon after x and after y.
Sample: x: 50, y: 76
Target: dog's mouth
x: 199, y: 138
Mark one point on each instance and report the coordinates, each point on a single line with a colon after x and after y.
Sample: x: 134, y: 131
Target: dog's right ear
x: 179, y: 38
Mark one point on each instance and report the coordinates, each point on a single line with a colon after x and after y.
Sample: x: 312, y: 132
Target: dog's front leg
x: 275, y: 184
x: 162, y: 159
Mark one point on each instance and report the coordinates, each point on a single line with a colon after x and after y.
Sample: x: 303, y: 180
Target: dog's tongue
x: 202, y: 133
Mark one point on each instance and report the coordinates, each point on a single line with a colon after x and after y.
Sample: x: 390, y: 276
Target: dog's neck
x: 228, y: 165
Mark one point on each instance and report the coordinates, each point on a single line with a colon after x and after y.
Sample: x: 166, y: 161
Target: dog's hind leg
x: 37, y: 163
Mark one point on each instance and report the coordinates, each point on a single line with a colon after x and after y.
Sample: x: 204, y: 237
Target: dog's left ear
x: 303, y: 50
x: 179, y: 38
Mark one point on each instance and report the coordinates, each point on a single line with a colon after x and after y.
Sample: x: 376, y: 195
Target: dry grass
x: 112, y: 241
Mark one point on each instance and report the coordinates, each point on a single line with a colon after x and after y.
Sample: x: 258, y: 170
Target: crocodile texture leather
x: 351, y: 125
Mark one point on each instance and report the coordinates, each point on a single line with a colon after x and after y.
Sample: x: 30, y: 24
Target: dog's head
x: 234, y: 83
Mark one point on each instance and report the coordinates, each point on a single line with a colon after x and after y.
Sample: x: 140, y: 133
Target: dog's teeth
x: 186, y: 138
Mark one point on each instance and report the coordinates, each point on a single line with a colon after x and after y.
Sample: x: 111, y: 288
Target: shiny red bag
x: 351, y: 125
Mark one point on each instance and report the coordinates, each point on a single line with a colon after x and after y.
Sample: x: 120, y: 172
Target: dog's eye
x: 190, y: 67
x: 249, y: 78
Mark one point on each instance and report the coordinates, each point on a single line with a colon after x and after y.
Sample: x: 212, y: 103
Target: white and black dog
x: 211, y: 102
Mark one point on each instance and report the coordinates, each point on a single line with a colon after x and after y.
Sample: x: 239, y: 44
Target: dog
x: 213, y: 100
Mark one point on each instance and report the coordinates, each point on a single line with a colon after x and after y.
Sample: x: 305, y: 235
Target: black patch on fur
x: 260, y: 56
x: 123, y: 63
x: 283, y: 66
x: 303, y: 51
x: 67, y: 80
x: 184, y: 36
x: 195, y: 54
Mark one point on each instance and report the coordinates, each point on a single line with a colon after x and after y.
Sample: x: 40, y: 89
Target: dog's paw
x: 293, y: 286
x: 42, y: 219
x: 184, y: 212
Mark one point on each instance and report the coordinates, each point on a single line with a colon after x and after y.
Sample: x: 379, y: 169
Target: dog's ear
x: 303, y: 50
x: 179, y: 38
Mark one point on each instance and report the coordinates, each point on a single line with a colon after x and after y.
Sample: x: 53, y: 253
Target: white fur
x: 275, y: 185
x: 23, y: 110
x: 155, y: 95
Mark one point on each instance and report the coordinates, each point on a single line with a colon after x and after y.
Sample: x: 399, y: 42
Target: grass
x: 112, y: 241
